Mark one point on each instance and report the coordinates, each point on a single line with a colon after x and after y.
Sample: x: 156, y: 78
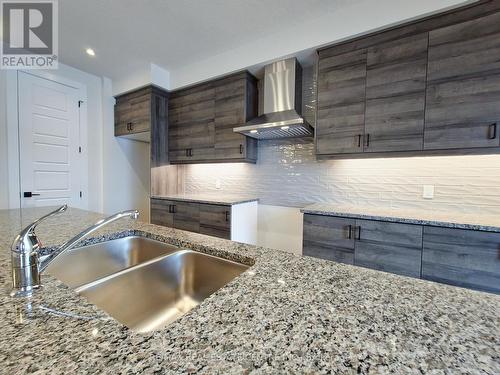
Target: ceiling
x: 128, y: 35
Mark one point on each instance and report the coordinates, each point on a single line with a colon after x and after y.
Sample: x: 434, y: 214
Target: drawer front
x: 329, y: 238
x: 462, y: 257
x: 215, y: 220
x: 160, y: 212
x: 187, y: 216
x: 390, y: 247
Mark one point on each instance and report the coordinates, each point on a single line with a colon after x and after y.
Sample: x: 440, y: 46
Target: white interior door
x: 49, y: 139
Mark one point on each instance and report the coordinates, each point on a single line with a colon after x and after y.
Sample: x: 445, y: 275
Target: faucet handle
x: 28, y: 233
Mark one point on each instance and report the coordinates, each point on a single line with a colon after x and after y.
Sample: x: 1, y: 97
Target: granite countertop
x: 285, y: 314
x: 414, y: 216
x: 222, y: 198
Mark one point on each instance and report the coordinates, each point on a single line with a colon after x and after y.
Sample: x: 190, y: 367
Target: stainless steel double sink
x: 143, y: 283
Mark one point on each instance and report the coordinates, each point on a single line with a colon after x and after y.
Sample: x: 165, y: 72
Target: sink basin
x: 150, y: 296
x: 89, y: 263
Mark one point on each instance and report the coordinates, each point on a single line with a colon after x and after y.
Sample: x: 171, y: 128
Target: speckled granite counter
x: 286, y: 314
x: 453, y: 220
x: 223, y: 199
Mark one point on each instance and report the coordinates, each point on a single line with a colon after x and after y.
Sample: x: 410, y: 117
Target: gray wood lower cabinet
x: 236, y: 221
x: 466, y: 258
x: 390, y: 247
x: 329, y: 238
x: 462, y: 257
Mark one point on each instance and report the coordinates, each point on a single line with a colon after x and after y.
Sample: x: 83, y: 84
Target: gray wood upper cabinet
x: 395, y: 95
x: 462, y: 257
x: 135, y: 112
x: 329, y: 238
x: 191, y: 124
x: 341, y: 102
x: 390, y: 247
x: 429, y: 87
x: 463, y: 91
x: 235, y: 104
x: 202, y: 118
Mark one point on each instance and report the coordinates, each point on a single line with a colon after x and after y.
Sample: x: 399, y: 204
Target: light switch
x: 217, y: 184
x: 428, y: 192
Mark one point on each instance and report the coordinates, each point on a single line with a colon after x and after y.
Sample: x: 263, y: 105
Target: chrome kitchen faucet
x: 27, y: 264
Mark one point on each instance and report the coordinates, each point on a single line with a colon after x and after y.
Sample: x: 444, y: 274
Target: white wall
x: 126, y: 177
x: 280, y: 228
x: 357, y: 18
x: 118, y: 169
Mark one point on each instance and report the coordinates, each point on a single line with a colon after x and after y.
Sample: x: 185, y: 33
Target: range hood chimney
x: 282, y: 116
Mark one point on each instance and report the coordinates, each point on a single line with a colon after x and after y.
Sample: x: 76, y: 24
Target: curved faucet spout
x: 26, y: 263
x: 133, y: 214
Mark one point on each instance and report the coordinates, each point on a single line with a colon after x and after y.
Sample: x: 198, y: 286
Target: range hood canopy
x: 282, y: 116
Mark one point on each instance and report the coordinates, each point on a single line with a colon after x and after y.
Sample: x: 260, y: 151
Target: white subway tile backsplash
x: 288, y: 174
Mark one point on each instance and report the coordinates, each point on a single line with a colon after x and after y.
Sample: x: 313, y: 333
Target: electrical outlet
x: 428, y: 192
x: 217, y: 184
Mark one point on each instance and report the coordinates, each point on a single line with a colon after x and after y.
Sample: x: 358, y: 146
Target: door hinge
x: 80, y: 102
x: 81, y: 194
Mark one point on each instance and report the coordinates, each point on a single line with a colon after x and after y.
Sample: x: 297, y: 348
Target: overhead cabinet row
x: 431, y: 91
x: 201, y: 121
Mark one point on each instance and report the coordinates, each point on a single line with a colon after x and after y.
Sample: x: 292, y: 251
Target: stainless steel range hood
x: 282, y: 116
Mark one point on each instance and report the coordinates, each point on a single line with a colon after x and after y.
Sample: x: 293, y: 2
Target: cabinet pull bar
x: 359, y: 140
x: 492, y: 131
x: 241, y: 149
x: 359, y: 232
x: 174, y: 208
x: 349, y: 232
x: 368, y: 140
x: 227, y: 216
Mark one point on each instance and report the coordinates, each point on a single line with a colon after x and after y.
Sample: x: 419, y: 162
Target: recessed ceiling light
x: 253, y: 131
x: 285, y: 127
x: 90, y: 52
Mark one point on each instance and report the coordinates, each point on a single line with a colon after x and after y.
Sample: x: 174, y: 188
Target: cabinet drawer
x: 329, y: 238
x: 462, y: 257
x: 391, y: 247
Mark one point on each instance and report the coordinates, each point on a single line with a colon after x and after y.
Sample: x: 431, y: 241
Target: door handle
x: 492, y: 131
x: 29, y: 194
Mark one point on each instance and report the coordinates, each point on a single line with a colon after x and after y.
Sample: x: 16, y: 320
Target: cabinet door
x: 329, y: 238
x: 462, y: 257
x: 391, y: 247
x: 215, y: 220
x: 463, y: 90
x: 191, y: 124
x: 161, y: 212
x: 395, y: 95
x: 133, y: 112
x: 235, y: 103
x: 341, y: 103
x: 187, y: 216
